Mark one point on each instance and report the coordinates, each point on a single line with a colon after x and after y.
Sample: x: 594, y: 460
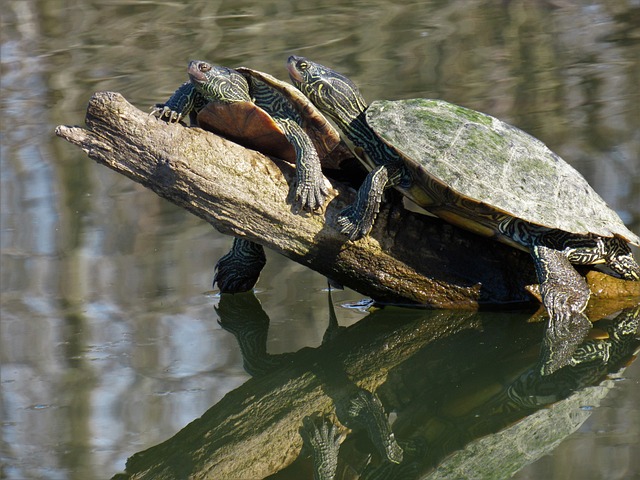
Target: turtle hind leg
x: 620, y: 259
x: 238, y: 270
x: 564, y: 291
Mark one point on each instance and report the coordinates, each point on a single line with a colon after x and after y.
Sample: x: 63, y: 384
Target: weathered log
x: 408, y: 257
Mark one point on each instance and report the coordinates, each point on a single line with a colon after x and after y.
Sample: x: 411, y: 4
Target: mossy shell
x: 493, y: 165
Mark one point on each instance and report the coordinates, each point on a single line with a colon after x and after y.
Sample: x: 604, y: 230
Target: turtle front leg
x: 310, y: 188
x: 564, y: 291
x: 238, y: 270
x: 185, y: 101
x: 357, y: 220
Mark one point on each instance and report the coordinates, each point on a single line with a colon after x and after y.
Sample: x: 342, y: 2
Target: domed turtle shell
x: 251, y: 126
x: 489, y: 163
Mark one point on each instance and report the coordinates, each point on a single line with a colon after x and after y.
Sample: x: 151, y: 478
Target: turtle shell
x: 491, y: 164
x: 251, y: 126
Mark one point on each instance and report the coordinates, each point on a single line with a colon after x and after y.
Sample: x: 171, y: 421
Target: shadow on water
x: 446, y: 393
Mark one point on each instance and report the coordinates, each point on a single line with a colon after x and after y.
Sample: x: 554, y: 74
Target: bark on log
x: 408, y: 258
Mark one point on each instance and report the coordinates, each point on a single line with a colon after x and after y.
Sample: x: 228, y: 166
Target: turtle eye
x: 302, y: 65
x: 204, y: 67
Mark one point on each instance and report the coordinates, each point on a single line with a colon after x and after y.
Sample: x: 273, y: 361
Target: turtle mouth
x: 293, y: 71
x: 197, y: 69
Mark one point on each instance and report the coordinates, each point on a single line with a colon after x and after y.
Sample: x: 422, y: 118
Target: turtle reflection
x: 441, y: 433
x: 466, y: 391
x: 590, y: 362
x: 559, y: 345
x: 512, y: 424
x: 243, y: 316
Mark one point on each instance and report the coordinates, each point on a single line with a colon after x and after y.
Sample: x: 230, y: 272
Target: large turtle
x: 263, y: 113
x: 480, y: 174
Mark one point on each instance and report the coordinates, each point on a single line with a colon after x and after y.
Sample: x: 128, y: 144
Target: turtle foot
x: 348, y: 224
x: 310, y: 196
x: 564, y: 291
x: 163, y: 112
x: 322, y: 438
x: 238, y: 270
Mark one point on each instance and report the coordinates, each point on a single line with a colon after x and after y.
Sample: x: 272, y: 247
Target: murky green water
x: 110, y: 340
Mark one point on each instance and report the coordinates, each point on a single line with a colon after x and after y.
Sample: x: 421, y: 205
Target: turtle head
x: 333, y: 93
x: 218, y: 83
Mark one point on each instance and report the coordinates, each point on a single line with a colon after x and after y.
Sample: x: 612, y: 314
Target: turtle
x: 263, y: 113
x: 478, y: 173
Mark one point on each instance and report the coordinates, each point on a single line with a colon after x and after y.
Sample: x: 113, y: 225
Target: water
x: 110, y: 342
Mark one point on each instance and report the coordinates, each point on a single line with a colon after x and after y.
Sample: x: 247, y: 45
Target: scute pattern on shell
x: 488, y: 161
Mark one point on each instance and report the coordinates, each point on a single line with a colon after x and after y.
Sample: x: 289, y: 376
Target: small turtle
x: 480, y: 174
x: 260, y: 112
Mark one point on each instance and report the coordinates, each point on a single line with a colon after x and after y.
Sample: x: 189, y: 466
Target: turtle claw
x: 309, y: 196
x: 348, y: 225
x: 322, y: 438
x: 163, y: 112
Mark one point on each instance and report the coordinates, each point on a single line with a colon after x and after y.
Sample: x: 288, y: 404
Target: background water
x: 110, y: 343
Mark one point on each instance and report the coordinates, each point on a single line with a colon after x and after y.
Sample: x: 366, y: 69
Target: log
x: 407, y: 258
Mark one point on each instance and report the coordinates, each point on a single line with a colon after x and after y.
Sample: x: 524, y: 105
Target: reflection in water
x: 591, y: 360
x: 570, y: 394
x: 363, y: 409
x: 466, y: 395
x: 243, y: 316
x: 559, y: 344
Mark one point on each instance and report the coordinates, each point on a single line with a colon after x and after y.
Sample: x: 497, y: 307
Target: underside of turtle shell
x: 248, y: 125
x: 486, y: 160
